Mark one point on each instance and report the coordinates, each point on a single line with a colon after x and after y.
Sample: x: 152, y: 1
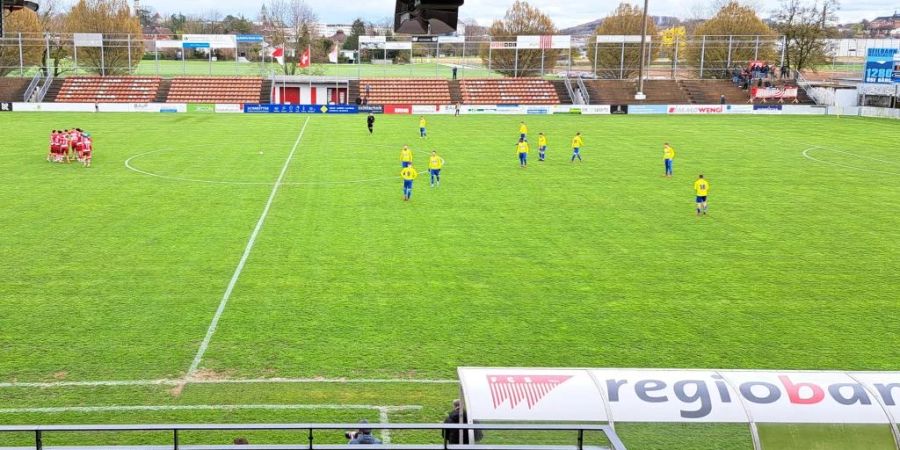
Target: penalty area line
x: 243, y: 261
x: 178, y: 382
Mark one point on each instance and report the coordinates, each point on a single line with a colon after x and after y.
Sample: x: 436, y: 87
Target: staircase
x: 709, y: 92
x: 562, y: 92
x: 163, y: 93
x: 54, y: 90
x: 353, y: 91
x: 265, y: 92
x: 455, y: 92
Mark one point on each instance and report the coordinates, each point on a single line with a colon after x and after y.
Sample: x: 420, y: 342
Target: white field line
x: 240, y: 267
x: 383, y: 418
x: 861, y: 169
x: 382, y: 410
x: 177, y: 382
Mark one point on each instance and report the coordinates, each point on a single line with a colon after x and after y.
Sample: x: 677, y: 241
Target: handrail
x: 804, y: 84
x: 571, y: 91
x: 45, y: 88
x: 40, y: 431
x: 584, y: 91
x: 31, y: 86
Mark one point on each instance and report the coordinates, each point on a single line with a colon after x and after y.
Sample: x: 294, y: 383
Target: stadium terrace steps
x: 562, y: 92
x: 108, y: 90
x: 265, y: 95
x: 611, y: 92
x: 13, y: 89
x: 406, y: 91
x: 215, y: 90
x: 455, y: 92
x: 353, y: 90
x: 163, y: 92
x: 53, y: 91
x: 708, y: 92
x: 521, y: 91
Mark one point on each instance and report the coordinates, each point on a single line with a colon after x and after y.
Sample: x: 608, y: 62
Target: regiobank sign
x: 659, y: 395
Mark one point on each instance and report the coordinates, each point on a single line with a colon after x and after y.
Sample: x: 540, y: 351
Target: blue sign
x: 374, y: 109
x: 879, y: 65
x: 195, y: 44
x: 767, y: 107
x: 300, y: 109
x: 648, y: 109
x: 249, y: 38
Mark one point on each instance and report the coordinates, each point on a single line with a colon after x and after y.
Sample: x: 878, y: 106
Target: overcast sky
x: 565, y: 13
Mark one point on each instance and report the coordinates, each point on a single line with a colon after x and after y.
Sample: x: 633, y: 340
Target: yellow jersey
x: 522, y: 147
x: 422, y: 123
x: 577, y: 142
x: 542, y: 141
x: 668, y: 152
x: 406, y: 155
x: 408, y: 173
x: 523, y: 129
x: 701, y: 187
x: 435, y: 162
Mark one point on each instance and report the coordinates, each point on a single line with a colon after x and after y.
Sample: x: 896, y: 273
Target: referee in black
x: 371, y: 122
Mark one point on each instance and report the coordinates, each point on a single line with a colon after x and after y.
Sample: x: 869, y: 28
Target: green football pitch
x: 180, y: 249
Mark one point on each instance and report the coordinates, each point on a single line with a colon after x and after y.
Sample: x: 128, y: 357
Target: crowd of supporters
x: 758, y: 73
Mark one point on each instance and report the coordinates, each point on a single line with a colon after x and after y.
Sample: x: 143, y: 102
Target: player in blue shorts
x: 577, y: 143
x: 522, y: 150
x: 435, y: 163
x: 408, y: 174
x: 422, y: 131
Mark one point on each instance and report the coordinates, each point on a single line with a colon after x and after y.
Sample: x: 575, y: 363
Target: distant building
x: 885, y: 25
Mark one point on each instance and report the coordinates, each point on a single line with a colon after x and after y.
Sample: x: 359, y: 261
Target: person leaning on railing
x: 453, y: 436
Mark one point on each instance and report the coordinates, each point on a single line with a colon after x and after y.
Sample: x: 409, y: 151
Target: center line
x: 240, y: 267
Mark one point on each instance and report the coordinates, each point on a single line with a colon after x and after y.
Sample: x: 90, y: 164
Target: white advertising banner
x: 532, y: 394
x: 214, y: 40
x: 88, y: 39
x: 451, y: 39
x: 398, y: 45
x: 679, y: 395
x: 739, y: 109
x: 544, y: 42
x: 696, y: 109
x: 169, y: 44
x: 229, y: 108
x: 54, y: 107
x: 669, y: 396
x: 595, y: 109
x: 804, y: 110
x: 620, y: 39
x: 426, y: 109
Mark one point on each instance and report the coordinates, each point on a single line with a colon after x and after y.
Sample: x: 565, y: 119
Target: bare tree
x: 806, y: 27
x: 293, y: 25
x: 521, y: 19
x: 113, y: 18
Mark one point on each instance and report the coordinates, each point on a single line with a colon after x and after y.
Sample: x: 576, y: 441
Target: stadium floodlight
x: 426, y: 16
x: 14, y: 5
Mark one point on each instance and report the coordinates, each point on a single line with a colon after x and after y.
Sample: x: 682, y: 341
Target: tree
x: 114, y: 20
x: 356, y: 30
x: 805, y: 27
x: 521, y: 19
x: 624, y: 20
x: 23, y: 21
x: 236, y: 25
x: 734, y: 36
x: 292, y: 23
x: 57, y: 51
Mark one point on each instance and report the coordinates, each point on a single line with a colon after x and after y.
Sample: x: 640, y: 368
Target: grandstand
x: 523, y: 91
x: 214, y: 90
x: 108, y: 89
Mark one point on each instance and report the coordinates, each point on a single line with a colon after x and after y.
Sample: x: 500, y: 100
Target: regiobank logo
x: 525, y: 390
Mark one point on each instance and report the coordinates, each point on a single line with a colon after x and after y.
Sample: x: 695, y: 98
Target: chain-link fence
x: 24, y: 55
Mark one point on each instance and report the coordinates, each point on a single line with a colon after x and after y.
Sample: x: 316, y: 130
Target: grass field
x: 116, y: 273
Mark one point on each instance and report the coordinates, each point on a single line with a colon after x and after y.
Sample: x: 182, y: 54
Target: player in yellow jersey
x: 542, y: 146
x: 523, y: 131
x: 522, y: 150
x: 406, y: 156
x: 668, y: 156
x: 701, y: 187
x: 435, y: 163
x: 408, y: 174
x: 577, y: 143
x: 422, y: 124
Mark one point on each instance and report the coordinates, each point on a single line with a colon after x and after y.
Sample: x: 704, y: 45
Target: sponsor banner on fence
x: 696, y: 109
x: 544, y: 42
x: 789, y: 92
x: 886, y: 113
x: 398, y: 109
x: 6, y: 106
x: 803, y: 110
x: 426, y: 109
x: 249, y: 38
x: 54, y: 107
x: 767, y: 109
x: 201, y: 108
x: 648, y: 109
x: 451, y: 39
x: 165, y: 43
x: 510, y: 109
x: 229, y: 108
x: 538, y: 110
x: 88, y: 39
x: 619, y: 109
x: 594, y: 110
x: 300, y: 109
x: 500, y: 45
x: 374, y: 109
x: 739, y: 109
x: 620, y: 39
x: 679, y: 395
x: 212, y: 40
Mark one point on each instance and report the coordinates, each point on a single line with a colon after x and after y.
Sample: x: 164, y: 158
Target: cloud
x: 564, y: 13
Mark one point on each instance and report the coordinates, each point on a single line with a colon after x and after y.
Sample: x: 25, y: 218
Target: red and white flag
x: 278, y: 54
x: 516, y: 388
x: 305, y: 59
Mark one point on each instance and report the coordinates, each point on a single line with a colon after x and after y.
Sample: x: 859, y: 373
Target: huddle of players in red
x: 66, y: 144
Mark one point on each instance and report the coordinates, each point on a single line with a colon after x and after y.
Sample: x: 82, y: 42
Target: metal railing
x: 584, y: 91
x: 807, y: 87
x: 568, y: 83
x: 29, y: 91
x: 309, y: 429
x: 42, y: 92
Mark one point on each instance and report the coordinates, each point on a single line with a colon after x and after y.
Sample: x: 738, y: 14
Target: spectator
x: 722, y: 99
x: 368, y: 90
x: 363, y: 436
x: 241, y: 441
x: 358, y: 100
x: 456, y: 113
x: 454, y: 72
x: 453, y: 436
